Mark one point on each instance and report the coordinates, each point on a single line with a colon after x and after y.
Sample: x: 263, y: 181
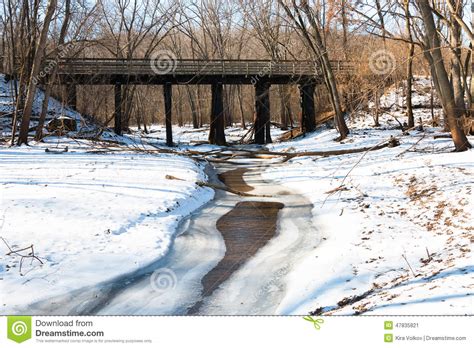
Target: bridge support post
x: 71, y: 95
x: 216, y: 134
x: 262, y: 113
x: 167, y: 94
x: 118, y: 108
x: 308, y: 122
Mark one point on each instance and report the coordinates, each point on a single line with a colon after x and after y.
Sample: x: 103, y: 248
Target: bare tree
x: 47, y: 92
x: 38, y: 56
x: 305, y: 20
x: 409, y: 70
x: 131, y: 29
x: 445, y: 88
x: 266, y: 20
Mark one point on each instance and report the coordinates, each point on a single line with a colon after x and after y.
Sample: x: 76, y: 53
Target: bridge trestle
x: 308, y: 121
x: 216, y: 131
x: 262, y: 113
x: 118, y: 108
x: 167, y: 96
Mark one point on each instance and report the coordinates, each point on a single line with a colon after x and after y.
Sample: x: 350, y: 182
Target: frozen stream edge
x: 256, y: 288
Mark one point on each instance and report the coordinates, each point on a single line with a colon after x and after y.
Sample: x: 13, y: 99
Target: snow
x: 369, y: 228
x: 390, y: 231
x: 55, y: 108
x: 188, y: 135
x: 396, y: 205
x: 395, y: 98
x: 90, y: 217
x: 258, y: 286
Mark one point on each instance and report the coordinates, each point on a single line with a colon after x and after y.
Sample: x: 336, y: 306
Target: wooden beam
x: 308, y: 122
x: 216, y: 133
x: 118, y: 108
x: 167, y: 94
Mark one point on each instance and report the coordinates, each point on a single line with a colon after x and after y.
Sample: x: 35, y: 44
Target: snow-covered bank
x: 90, y: 217
x: 188, y: 135
x: 398, y: 211
x: 7, y: 106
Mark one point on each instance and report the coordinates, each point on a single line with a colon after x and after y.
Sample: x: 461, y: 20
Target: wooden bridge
x: 167, y: 71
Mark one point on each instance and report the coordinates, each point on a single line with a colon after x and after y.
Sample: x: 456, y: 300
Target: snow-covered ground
x: 395, y: 98
x: 188, y: 135
x: 396, y: 223
x: 392, y: 230
x: 55, y: 108
x: 90, y: 217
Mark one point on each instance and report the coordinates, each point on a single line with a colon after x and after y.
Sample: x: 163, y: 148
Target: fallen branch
x: 413, y: 146
x: 225, y: 188
x: 339, y: 188
x: 56, y: 151
x: 218, y: 187
x: 442, y: 136
x: 392, y: 142
x: 171, y: 177
x: 18, y: 252
x: 411, y: 269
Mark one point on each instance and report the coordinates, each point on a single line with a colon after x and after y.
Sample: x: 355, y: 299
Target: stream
x: 232, y: 256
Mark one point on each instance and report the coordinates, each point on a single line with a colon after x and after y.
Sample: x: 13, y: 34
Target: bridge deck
x: 187, y: 71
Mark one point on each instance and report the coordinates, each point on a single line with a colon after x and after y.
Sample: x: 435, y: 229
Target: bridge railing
x: 193, y: 67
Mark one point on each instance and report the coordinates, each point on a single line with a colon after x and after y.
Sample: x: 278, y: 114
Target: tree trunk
x: 49, y: 86
x: 320, y: 56
x: 25, y: 121
x: 377, y: 108
x: 329, y: 77
x: 445, y: 88
x: 192, y: 104
x: 409, y: 77
x: 241, y: 107
x: 285, y: 106
x: 456, y: 62
x: 44, y: 111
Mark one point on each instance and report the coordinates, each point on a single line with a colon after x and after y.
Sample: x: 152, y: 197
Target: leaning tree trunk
x: 328, y: 75
x: 409, y: 77
x: 335, y: 98
x: 456, y: 73
x: 25, y: 121
x: 316, y: 45
x: 445, y: 88
x: 49, y: 86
